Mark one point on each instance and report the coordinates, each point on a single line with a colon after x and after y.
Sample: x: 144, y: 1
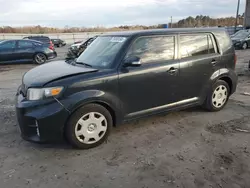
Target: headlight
x: 41, y: 93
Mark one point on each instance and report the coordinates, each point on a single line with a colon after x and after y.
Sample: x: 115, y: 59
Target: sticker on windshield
x: 117, y: 39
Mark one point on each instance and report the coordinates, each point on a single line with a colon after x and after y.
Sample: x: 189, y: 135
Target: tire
x: 89, y: 126
x: 40, y: 58
x: 59, y: 45
x: 244, y: 46
x: 217, y: 97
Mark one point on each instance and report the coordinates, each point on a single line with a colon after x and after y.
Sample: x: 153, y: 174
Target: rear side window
x: 38, y: 43
x: 25, y: 44
x: 195, y: 45
x: 153, y: 49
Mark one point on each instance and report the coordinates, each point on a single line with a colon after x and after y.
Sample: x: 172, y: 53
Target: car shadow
x: 124, y: 127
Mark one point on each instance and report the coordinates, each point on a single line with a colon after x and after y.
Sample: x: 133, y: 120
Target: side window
x: 153, y: 49
x: 8, y: 45
x: 25, y: 44
x: 37, y: 44
x: 195, y: 45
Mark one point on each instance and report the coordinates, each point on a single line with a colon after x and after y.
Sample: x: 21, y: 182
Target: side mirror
x: 133, y: 61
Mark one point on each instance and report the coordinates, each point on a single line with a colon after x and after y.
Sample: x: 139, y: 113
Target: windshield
x: 102, y: 51
x: 241, y: 34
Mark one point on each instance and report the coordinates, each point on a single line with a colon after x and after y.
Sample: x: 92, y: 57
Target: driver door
x: 152, y: 85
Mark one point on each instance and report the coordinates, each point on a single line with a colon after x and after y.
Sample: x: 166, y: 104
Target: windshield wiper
x: 82, y: 63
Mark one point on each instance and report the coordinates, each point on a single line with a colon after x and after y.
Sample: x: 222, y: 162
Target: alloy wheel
x: 40, y: 58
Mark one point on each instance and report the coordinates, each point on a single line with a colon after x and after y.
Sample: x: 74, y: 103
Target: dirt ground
x: 186, y: 149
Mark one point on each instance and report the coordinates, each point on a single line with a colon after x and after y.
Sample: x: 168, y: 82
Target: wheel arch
x: 40, y: 53
x: 227, y: 75
x: 102, y: 103
x: 228, y: 80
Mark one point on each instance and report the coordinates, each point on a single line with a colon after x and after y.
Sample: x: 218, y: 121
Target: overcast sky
x: 59, y: 13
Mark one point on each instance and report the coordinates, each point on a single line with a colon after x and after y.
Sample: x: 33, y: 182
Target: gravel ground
x: 188, y: 149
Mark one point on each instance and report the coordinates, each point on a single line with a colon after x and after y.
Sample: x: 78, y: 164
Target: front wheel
x: 40, y: 58
x: 217, y: 97
x: 89, y: 126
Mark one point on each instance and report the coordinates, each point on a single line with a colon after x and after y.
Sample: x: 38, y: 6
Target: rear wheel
x: 89, y: 126
x: 40, y: 58
x: 218, y: 96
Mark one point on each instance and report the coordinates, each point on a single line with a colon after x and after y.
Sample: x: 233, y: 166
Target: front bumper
x: 40, y: 121
x: 238, y: 45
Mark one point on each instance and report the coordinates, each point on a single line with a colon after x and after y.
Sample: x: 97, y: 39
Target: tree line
x: 198, y: 21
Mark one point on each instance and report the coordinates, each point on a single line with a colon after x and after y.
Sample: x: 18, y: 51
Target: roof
x: 163, y: 31
x: 3, y: 40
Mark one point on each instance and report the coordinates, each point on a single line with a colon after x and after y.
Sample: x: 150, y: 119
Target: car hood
x: 43, y: 74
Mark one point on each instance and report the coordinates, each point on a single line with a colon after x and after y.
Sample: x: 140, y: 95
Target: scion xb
x: 123, y: 76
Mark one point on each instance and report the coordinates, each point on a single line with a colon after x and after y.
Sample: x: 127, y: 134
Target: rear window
x: 42, y: 39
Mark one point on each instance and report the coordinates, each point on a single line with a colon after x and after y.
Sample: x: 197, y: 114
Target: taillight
x: 51, y: 46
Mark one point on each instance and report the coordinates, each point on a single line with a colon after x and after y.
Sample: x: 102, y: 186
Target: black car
x: 124, y: 76
x: 76, y: 49
x: 43, y: 39
x: 58, y: 42
x: 19, y: 51
x: 241, y: 39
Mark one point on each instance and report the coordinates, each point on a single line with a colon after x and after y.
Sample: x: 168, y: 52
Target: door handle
x: 172, y: 70
x: 214, y: 62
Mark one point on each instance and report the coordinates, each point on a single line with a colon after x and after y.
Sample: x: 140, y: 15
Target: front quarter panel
x: 100, y: 87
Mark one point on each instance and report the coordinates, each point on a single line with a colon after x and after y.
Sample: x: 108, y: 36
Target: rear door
x: 25, y: 50
x: 7, y: 51
x: 199, y: 59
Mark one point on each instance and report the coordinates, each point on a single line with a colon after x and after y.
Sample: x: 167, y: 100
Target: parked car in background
x: 83, y: 43
x: 77, y: 42
x: 123, y: 76
x: 21, y: 51
x: 231, y: 29
x: 241, y: 39
x: 76, y: 50
x: 58, y: 42
x: 43, y: 39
